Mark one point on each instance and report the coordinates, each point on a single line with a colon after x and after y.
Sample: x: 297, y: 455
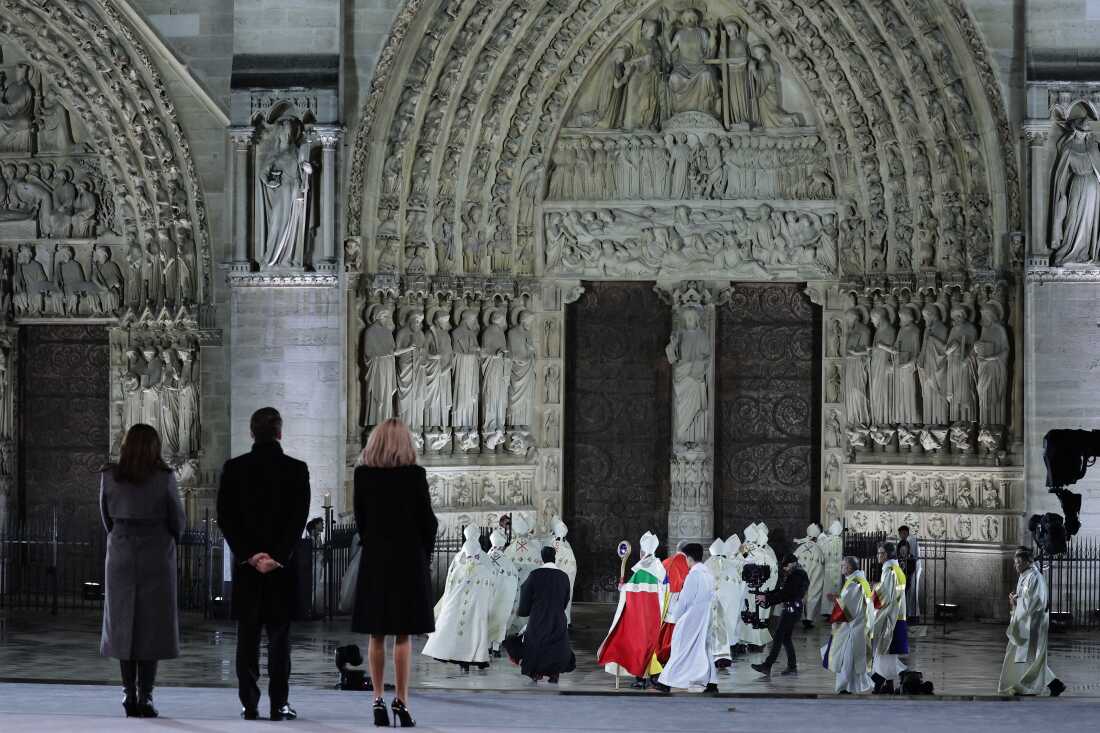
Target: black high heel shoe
x: 381, y: 716
x: 401, y: 714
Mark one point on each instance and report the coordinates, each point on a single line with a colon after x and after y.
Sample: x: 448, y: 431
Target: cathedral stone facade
x: 670, y: 266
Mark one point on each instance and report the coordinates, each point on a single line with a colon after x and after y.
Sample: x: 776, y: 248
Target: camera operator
x: 791, y: 594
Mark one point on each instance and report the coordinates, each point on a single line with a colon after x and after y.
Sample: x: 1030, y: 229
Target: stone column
x: 1036, y: 132
x: 691, y: 352
x: 239, y: 179
x: 329, y: 137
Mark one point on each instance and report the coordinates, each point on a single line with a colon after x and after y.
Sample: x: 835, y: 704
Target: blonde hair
x: 390, y: 445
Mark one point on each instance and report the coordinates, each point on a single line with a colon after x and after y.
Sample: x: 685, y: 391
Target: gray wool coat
x: 143, y: 523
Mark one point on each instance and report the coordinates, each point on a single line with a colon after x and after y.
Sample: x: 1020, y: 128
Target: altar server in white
x: 812, y: 560
x: 1025, y: 670
x: 505, y: 591
x: 846, y: 653
x: 566, y: 560
x: 690, y: 664
x: 462, y: 615
x: 890, y: 630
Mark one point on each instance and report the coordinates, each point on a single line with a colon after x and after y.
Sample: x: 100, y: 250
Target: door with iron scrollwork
x: 768, y: 405
x: 64, y: 419
x: 618, y: 418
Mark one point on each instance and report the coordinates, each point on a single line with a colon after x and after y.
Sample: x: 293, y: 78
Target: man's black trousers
x: 787, y: 624
x: 248, y: 663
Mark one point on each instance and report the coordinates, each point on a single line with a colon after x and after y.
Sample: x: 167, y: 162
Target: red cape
x: 676, y: 568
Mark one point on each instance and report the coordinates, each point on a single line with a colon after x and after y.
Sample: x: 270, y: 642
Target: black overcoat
x: 544, y: 649
x: 144, y: 523
x: 397, y: 527
x: 263, y: 503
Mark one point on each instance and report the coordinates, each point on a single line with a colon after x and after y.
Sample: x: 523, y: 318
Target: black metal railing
x: 929, y: 573
x: 1074, y: 583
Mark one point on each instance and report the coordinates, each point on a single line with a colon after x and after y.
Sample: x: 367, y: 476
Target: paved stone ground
x: 88, y: 709
x: 961, y: 660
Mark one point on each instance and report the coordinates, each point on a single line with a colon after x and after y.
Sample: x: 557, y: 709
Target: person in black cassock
x: 263, y: 504
x: 543, y: 648
x: 791, y: 594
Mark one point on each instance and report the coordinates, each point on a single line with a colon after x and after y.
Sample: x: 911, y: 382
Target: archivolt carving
x: 92, y: 90
x: 474, y: 191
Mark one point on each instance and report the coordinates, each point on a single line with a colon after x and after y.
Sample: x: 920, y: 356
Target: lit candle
x: 328, y: 500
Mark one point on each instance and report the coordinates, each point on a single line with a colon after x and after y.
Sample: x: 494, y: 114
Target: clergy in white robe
x: 812, y: 560
x: 832, y: 547
x: 889, y: 630
x: 1025, y: 670
x: 718, y: 642
x: 690, y: 663
x: 846, y: 653
x: 567, y: 561
x: 524, y: 554
x: 505, y: 591
x: 462, y: 615
x: 754, y: 553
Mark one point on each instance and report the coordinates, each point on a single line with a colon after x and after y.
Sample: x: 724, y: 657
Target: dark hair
x: 314, y: 522
x: 903, y: 528
x: 889, y: 549
x: 139, y: 458
x: 1024, y: 554
x: 549, y: 554
x: 693, y: 550
x: 266, y: 425
x: 788, y: 559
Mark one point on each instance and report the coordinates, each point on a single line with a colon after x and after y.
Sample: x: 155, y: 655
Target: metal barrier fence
x: 928, y: 601
x: 1074, y: 583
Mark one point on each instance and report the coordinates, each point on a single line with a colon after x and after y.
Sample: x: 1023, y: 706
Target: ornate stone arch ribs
x: 851, y: 144
x: 102, y: 218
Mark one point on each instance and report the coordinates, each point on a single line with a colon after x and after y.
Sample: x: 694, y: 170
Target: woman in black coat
x: 397, y: 527
x: 144, y: 518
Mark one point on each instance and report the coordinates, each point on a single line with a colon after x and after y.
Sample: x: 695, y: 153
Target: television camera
x: 755, y: 576
x: 1067, y: 454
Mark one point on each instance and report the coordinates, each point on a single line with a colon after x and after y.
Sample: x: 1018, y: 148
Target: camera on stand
x: 755, y: 576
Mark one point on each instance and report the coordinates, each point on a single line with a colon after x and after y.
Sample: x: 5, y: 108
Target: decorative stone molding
x: 1044, y: 274
x: 274, y: 279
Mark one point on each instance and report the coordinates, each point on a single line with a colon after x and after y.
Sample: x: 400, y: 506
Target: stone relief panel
x: 479, y: 487
x: 156, y: 380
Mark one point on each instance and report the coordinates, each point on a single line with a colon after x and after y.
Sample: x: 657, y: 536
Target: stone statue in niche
x: 939, y: 493
x: 379, y: 353
x: 440, y: 365
x: 833, y: 383
x: 550, y: 429
x: 991, y: 354
x: 551, y: 339
x: 832, y: 474
x: 931, y: 365
x: 960, y: 376
x: 109, y: 282
x: 551, y: 384
x: 991, y: 529
x: 150, y: 387
x: 991, y: 495
x: 1075, y: 211
x: 692, y: 85
x: 35, y: 293
x: 765, y: 88
x: 836, y: 337
x: 496, y: 371
x: 467, y: 369
x: 965, y: 497
x: 190, y: 435
x: 906, y: 351
x: 881, y: 373
x: 411, y: 345
x: 131, y: 389
x: 71, y: 280
x: 17, y: 111
x: 964, y: 527
x: 521, y: 386
x: 857, y: 350
x: 284, y: 172
x: 169, y: 395
x: 912, y: 493
x: 689, y: 353
x: 834, y: 436
x: 888, y: 492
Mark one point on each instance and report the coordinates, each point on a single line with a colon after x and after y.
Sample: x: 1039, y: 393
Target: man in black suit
x: 263, y: 504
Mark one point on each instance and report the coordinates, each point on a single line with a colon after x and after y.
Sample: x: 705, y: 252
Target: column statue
x: 931, y: 365
x: 190, y: 434
x: 284, y: 175
x: 689, y: 353
x: 150, y: 388
x: 521, y: 386
x: 1075, y: 213
x: 881, y: 375
x: 496, y: 371
x: 439, y: 367
x: 857, y: 350
x: 466, y: 372
x: 991, y: 355
x: 906, y: 350
x: 379, y: 352
x: 170, y: 405
x: 412, y: 346
x: 131, y: 389
x: 959, y: 386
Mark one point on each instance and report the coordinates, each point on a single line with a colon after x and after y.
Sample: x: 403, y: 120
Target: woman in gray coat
x: 144, y: 518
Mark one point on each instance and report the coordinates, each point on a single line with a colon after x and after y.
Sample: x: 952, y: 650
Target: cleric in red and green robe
x: 631, y: 643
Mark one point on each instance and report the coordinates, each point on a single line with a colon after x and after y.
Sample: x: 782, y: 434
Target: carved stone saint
x: 991, y: 354
x: 644, y: 104
x: 907, y: 347
x: 284, y: 174
x: 108, y: 279
x: 496, y: 371
x: 71, y: 280
x: 169, y: 394
x: 765, y: 88
x: 131, y: 389
x: 960, y: 377
x: 965, y: 498
x: 151, y: 388
x: 34, y: 292
x: 857, y: 350
x: 379, y: 366
x: 411, y: 346
x: 689, y: 353
x: 833, y: 384
x: 691, y: 82
x: 734, y: 61
x: 466, y: 382
x: 17, y: 110
x: 1076, y: 206
x: 931, y: 365
x: 881, y: 376
x: 521, y: 386
x: 440, y: 364
x: 190, y: 433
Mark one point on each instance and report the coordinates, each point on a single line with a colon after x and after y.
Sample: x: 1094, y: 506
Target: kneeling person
x: 543, y: 649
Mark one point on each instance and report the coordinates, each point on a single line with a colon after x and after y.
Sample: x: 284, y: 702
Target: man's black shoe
x: 789, y: 671
x: 763, y: 669
x: 662, y: 688
x: 284, y: 713
x: 250, y: 713
x: 1057, y: 687
x: 807, y: 624
x: 710, y: 689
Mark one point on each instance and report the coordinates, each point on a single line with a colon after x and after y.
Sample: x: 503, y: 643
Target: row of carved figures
x: 477, y: 376
x: 690, y: 166
x: 160, y: 273
x: 684, y: 64
x: 950, y: 372
x: 159, y: 388
x: 59, y: 202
